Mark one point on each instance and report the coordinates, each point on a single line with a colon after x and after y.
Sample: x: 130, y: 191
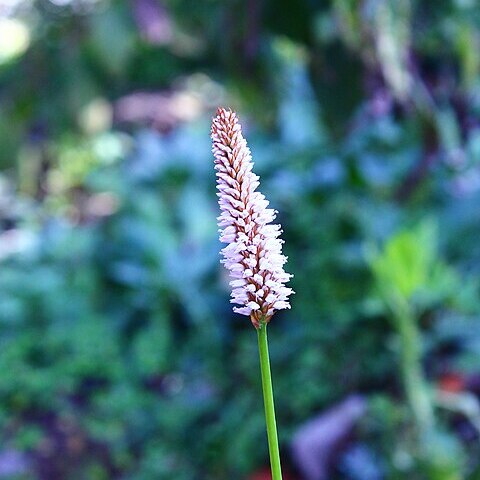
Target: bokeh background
x: 120, y: 357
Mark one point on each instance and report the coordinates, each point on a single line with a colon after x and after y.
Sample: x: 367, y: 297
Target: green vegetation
x: 119, y: 352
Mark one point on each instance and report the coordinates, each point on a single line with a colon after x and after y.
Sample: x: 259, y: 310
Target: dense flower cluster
x: 253, y: 255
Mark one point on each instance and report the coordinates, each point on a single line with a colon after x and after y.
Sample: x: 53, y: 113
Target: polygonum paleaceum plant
x: 253, y: 254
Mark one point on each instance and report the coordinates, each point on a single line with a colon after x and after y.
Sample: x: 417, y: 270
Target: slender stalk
x: 415, y: 384
x: 269, y: 404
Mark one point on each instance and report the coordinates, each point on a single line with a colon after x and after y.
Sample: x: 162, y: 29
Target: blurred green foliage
x: 408, y: 267
x: 120, y: 356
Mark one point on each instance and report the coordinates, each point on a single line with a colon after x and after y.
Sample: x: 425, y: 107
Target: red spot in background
x: 452, y: 382
x: 264, y: 474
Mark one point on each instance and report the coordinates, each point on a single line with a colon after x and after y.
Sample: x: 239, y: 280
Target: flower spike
x: 253, y: 254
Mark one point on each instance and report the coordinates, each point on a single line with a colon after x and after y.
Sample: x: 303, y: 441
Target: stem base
x: 269, y: 404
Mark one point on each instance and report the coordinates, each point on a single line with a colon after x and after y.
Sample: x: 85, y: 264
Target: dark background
x: 120, y: 356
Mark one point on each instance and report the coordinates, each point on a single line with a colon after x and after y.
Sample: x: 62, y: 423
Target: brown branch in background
x: 420, y: 170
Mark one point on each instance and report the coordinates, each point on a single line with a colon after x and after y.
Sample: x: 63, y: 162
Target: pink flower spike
x: 253, y: 252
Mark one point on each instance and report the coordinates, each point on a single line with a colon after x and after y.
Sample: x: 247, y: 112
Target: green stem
x: 269, y: 405
x: 415, y: 384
